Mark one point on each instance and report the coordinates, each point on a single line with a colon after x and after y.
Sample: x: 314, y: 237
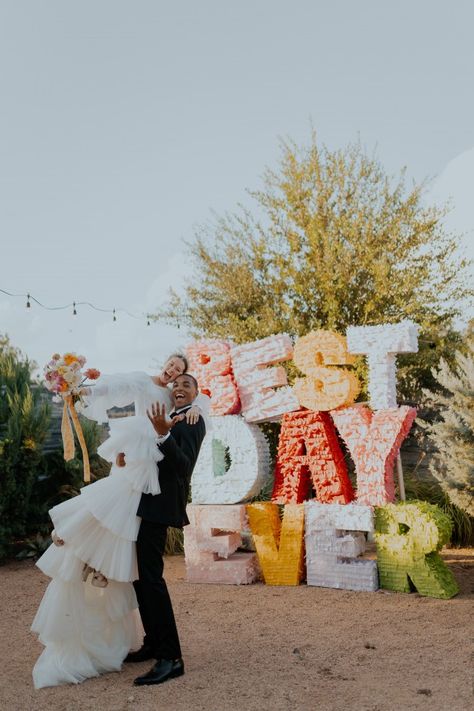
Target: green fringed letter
x: 408, y: 536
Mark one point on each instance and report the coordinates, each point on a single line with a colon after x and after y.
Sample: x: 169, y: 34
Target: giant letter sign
x: 334, y: 540
x: 279, y: 545
x: 324, y: 388
x: 256, y: 383
x: 409, y: 536
x: 210, y: 545
x: 233, y: 464
x: 309, y: 453
x: 381, y: 344
x: 374, y: 439
x: 210, y: 363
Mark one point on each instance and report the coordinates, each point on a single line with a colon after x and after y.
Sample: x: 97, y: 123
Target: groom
x: 180, y: 447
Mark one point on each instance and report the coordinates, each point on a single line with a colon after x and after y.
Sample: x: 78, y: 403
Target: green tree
x: 452, y: 432
x: 23, y: 424
x: 333, y: 241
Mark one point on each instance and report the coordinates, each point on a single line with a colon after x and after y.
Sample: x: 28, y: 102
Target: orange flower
x: 92, y: 373
x: 70, y: 358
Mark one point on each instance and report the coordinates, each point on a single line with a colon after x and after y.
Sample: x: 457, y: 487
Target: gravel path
x: 257, y: 647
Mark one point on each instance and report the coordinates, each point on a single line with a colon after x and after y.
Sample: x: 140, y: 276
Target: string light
x: 75, y: 304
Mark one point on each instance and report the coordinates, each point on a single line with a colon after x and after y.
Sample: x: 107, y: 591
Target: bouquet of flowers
x: 64, y: 377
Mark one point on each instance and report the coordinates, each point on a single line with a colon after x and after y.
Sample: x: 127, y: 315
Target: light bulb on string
x: 30, y: 299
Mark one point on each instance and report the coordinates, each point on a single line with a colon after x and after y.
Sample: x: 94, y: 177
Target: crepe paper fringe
x: 256, y: 382
x: 233, y: 464
x: 309, y: 456
x: 334, y: 541
x: 408, y: 537
x: 211, y: 544
x: 211, y: 365
x: 381, y: 344
x: 374, y: 440
x: 279, y: 544
x: 324, y: 388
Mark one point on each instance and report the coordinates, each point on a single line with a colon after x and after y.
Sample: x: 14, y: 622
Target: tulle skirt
x: 88, y: 630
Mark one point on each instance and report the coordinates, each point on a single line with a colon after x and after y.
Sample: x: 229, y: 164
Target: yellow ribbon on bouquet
x: 69, y: 413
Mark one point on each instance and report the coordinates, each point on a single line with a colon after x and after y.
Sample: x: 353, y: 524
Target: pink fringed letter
x: 209, y: 361
x: 210, y: 546
x: 374, y: 439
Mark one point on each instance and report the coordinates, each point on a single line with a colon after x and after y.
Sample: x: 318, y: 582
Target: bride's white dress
x: 88, y: 630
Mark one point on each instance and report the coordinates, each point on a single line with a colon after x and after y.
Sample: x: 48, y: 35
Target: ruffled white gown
x: 88, y: 630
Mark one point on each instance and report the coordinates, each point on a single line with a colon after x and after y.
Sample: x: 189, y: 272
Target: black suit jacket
x: 180, y: 451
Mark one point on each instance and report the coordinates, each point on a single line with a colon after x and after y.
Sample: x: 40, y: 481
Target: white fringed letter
x: 334, y: 540
x: 256, y: 382
x: 233, y: 464
x: 210, y: 544
x: 381, y: 344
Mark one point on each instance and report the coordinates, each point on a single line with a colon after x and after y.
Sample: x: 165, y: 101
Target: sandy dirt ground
x: 258, y: 647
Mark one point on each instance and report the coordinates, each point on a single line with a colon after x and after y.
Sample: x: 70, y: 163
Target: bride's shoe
x: 99, y: 580
x: 55, y: 538
x: 86, y: 571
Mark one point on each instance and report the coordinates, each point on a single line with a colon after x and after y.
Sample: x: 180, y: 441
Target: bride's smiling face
x: 171, y: 369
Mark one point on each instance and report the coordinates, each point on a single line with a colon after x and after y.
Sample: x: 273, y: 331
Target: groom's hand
x: 159, y: 419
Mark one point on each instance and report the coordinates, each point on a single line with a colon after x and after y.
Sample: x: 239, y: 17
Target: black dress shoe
x: 141, y: 655
x: 163, y: 670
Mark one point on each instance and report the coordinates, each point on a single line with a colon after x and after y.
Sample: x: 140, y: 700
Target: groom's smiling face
x: 184, y: 391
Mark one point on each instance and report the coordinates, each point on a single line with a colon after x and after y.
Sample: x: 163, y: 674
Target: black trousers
x: 154, y: 602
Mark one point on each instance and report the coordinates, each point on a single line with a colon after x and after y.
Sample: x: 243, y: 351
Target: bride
x: 88, y: 618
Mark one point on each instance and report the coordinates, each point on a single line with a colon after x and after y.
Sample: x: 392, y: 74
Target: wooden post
x: 401, y: 483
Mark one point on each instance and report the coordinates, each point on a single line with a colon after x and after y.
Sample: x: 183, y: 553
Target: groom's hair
x: 192, y: 378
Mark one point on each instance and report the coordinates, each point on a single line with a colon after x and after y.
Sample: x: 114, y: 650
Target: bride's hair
x: 182, y: 357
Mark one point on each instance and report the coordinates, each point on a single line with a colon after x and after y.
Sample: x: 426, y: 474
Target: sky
x: 124, y: 125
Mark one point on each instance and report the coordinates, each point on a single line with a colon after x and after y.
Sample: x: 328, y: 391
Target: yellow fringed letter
x: 279, y: 545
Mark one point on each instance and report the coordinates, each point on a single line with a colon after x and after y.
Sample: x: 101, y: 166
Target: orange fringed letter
x: 309, y: 453
x: 279, y: 544
x: 324, y: 388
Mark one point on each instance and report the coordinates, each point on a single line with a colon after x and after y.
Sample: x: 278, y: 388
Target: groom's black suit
x: 180, y: 450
